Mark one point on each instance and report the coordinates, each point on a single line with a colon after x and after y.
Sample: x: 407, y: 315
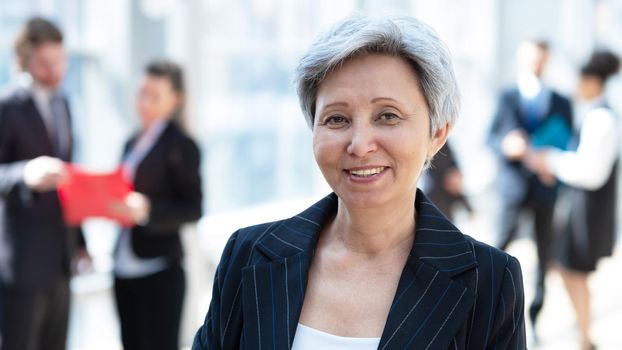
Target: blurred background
x: 257, y: 160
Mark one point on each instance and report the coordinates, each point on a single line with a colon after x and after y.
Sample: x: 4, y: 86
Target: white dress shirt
x: 591, y: 164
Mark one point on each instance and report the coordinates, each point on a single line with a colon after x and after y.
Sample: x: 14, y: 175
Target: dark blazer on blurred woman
x: 163, y: 164
x: 168, y: 173
x: 150, y: 298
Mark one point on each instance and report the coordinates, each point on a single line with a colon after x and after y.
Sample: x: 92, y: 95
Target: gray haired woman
x: 373, y: 265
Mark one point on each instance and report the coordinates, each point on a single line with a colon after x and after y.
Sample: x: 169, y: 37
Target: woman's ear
x: 438, y: 139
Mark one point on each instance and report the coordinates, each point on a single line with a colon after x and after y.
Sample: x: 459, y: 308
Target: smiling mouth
x: 366, y: 172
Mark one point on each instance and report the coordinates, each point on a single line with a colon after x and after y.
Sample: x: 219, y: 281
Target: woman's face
x: 156, y: 99
x: 371, y: 135
x: 589, y: 87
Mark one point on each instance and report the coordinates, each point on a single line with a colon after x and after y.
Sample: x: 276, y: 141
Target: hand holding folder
x: 86, y: 194
x: 554, y: 132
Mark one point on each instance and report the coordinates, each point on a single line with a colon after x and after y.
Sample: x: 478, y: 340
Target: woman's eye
x: 389, y: 118
x: 335, y: 121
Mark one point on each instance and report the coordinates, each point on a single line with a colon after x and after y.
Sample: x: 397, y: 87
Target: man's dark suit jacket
x: 169, y: 176
x: 454, y: 292
x: 35, y: 244
x: 515, y: 181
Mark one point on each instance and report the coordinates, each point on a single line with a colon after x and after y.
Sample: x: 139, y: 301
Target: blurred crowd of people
x: 37, y: 246
x: 558, y: 160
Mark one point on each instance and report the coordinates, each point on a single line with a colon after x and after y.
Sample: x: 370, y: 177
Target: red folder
x: 86, y: 194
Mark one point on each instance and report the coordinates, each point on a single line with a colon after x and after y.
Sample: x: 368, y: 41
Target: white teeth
x: 367, y: 172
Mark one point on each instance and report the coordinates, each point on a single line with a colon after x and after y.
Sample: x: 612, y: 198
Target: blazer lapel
x: 273, y: 291
x: 430, y: 307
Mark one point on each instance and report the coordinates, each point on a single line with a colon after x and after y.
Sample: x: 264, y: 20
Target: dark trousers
x: 544, y: 237
x: 150, y: 309
x: 34, y: 318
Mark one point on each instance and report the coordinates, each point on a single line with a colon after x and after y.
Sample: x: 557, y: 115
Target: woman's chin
x: 364, y: 200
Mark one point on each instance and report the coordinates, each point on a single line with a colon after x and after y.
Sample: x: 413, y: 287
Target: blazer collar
x: 429, y: 306
x: 437, y: 241
x: 299, y: 233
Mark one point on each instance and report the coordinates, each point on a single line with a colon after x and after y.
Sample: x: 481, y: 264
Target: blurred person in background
x: 373, y: 265
x: 588, y: 223
x: 527, y: 114
x: 36, y: 247
x: 443, y: 183
x: 163, y: 164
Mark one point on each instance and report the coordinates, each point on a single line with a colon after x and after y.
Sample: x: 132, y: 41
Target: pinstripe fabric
x: 454, y: 292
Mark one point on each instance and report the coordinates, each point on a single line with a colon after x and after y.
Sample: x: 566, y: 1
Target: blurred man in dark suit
x: 36, y: 246
x: 529, y: 114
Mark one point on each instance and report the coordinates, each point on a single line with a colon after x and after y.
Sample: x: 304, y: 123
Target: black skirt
x: 586, y: 226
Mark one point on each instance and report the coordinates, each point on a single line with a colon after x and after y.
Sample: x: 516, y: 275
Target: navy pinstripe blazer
x: 454, y: 292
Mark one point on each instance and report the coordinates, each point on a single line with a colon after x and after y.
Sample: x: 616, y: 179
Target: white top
x: 590, y: 165
x: 308, y: 338
x: 127, y: 263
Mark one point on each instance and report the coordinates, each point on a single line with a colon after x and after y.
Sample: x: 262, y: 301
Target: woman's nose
x: 362, y: 140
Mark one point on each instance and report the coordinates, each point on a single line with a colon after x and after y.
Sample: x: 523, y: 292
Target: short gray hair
x: 403, y: 37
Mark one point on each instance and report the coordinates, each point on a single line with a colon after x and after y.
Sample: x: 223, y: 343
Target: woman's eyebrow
x: 381, y: 98
x: 335, y: 104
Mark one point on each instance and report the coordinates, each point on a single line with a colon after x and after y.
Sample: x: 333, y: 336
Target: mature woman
x: 588, y: 226
x: 163, y: 163
x: 374, y: 264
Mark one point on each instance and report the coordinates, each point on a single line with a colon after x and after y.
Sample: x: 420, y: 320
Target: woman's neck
x: 374, y: 231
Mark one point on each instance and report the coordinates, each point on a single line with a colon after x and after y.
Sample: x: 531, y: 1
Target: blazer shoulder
x: 248, y: 237
x: 492, y: 258
x: 14, y: 98
x: 174, y: 131
x: 180, y: 138
x: 241, y: 244
x: 12, y: 106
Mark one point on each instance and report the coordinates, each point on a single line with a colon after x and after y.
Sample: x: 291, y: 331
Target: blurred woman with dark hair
x: 163, y: 164
x: 588, y: 227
